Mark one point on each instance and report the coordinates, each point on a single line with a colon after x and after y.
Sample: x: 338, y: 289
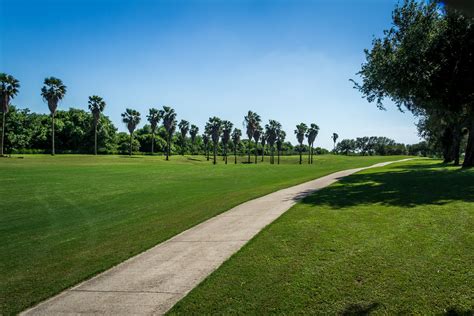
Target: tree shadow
x: 456, y: 311
x: 405, y: 186
x: 359, y: 309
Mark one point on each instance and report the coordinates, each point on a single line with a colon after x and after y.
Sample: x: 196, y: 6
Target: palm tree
x: 154, y: 116
x: 256, y: 136
x: 300, y: 132
x: 271, y: 131
x: 52, y: 92
x: 226, y: 130
x: 131, y: 118
x: 311, y: 134
x: 8, y: 90
x: 214, y: 126
x: 193, y: 132
x: 169, y: 122
x: 334, y: 139
x: 96, y: 106
x: 183, y: 128
x: 280, y: 139
x: 205, y: 140
x: 251, y: 121
x: 236, y: 134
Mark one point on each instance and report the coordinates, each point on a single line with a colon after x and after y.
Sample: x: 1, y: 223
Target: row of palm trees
x: 215, y: 130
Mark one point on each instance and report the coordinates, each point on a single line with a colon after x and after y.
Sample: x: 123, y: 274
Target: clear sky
x: 286, y: 60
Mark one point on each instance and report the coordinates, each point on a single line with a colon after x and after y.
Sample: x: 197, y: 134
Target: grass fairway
x: 397, y: 240
x: 66, y: 218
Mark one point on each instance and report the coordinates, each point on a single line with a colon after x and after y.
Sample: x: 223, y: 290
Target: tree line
x: 425, y: 64
x: 79, y: 131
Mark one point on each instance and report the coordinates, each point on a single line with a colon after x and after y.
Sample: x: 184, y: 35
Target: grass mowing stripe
x: 68, y: 217
x: 396, y: 240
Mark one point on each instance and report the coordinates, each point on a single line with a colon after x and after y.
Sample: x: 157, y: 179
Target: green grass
x: 66, y: 218
x: 396, y: 240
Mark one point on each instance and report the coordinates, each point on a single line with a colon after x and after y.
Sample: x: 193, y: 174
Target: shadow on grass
x: 358, y: 309
x: 405, y: 186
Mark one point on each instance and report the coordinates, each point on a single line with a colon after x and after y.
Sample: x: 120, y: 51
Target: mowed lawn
x: 66, y: 218
x: 393, y: 240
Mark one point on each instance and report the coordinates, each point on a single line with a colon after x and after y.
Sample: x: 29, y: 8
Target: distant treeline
x: 29, y: 132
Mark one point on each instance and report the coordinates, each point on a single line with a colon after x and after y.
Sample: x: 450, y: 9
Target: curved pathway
x: 153, y: 281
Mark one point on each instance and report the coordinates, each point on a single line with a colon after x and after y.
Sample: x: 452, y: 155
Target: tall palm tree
x: 251, y: 121
x: 52, y: 92
x: 256, y: 136
x: 311, y: 134
x: 300, y: 133
x: 334, y: 137
x: 226, y: 130
x: 205, y: 140
x: 280, y: 139
x: 9, y: 87
x: 215, y: 125
x: 96, y: 106
x: 271, y: 131
x: 131, y: 118
x: 193, y: 132
x: 154, y: 116
x: 169, y: 122
x: 236, y: 134
x: 183, y: 128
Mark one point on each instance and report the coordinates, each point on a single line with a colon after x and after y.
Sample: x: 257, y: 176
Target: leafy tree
x: 226, y: 133
x: 334, y: 138
x: 131, y: 118
x: 214, y: 127
x: 183, y: 128
x: 9, y: 87
x: 52, y: 92
x: 154, y: 116
x: 194, y: 131
x: 300, y: 133
x: 279, y: 142
x: 236, y: 134
x: 311, y: 134
x: 169, y: 122
x: 251, y: 121
x: 424, y: 63
x: 256, y: 136
x: 96, y: 106
x: 346, y: 146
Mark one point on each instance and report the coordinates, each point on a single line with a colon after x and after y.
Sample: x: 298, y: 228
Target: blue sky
x: 286, y: 60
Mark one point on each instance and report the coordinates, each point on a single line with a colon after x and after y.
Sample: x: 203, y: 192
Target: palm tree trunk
x: 256, y: 152
x: 52, y: 139
x: 301, y: 154
x: 278, y: 154
x: 95, y: 138
x: 152, y: 143
x: 168, y: 150
x: 131, y: 141
x: 263, y: 151
x: 3, y: 134
x: 225, y: 153
x: 207, y: 151
x: 215, y: 153
x: 309, y: 154
x: 249, y: 151
x: 235, y: 154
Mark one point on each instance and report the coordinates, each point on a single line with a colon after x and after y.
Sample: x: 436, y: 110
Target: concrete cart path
x: 153, y: 281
